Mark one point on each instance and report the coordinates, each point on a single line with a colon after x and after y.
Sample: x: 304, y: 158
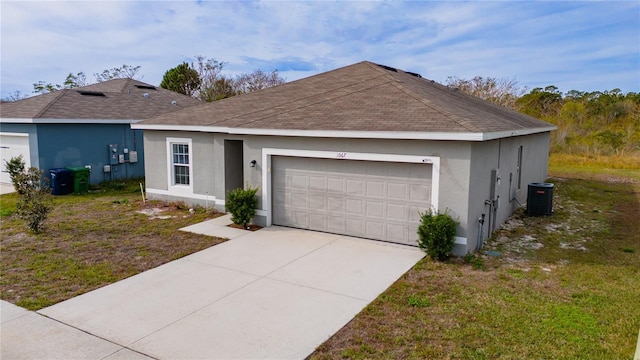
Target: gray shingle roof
x: 360, y: 97
x: 123, y: 99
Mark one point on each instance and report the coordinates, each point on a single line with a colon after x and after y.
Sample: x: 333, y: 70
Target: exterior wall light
x: 253, y: 163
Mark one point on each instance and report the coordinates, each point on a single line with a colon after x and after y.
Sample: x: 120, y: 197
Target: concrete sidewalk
x: 28, y: 335
x: 274, y: 293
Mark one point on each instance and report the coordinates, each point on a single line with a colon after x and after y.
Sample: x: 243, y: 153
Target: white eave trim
x: 68, y: 121
x: 405, y: 135
x: 14, y: 134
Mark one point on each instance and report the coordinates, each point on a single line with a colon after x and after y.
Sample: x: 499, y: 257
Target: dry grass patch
x: 560, y: 287
x: 90, y: 241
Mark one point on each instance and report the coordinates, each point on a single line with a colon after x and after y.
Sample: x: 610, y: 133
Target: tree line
x: 589, y: 123
x: 202, y: 79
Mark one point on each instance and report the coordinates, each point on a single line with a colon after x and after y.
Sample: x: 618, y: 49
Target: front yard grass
x: 559, y: 287
x: 91, y: 240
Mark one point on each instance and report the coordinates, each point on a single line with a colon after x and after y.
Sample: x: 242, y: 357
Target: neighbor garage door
x: 12, y: 145
x: 369, y: 199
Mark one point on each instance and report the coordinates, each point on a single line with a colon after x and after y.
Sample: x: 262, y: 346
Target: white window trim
x: 267, y: 153
x: 173, y: 188
x: 519, y: 164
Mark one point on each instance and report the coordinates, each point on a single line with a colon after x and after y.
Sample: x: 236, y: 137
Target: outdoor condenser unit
x: 540, y: 199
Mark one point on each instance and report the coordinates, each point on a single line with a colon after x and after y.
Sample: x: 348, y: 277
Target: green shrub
x: 436, y: 234
x: 16, y: 169
x: 35, y: 202
x: 242, y: 204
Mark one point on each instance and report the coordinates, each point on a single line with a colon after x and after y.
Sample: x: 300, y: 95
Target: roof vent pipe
x: 173, y: 102
x: 146, y: 95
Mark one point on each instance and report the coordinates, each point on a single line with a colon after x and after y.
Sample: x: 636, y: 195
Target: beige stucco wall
x: 463, y: 165
x: 502, y: 154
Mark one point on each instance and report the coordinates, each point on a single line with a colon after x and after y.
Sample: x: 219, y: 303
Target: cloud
x: 585, y: 45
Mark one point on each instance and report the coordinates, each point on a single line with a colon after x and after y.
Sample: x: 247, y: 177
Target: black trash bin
x: 61, y: 181
x: 540, y: 199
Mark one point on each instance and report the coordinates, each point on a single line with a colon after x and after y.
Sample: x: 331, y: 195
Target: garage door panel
x: 335, y: 204
x: 281, y: 197
x: 376, y: 189
x: 299, y: 181
x: 375, y: 209
x: 299, y: 201
x: 316, y: 202
x: 396, y: 233
x: 317, y: 183
x: 414, y: 213
x: 419, y: 192
x: 397, y: 191
x: 336, y: 167
x: 299, y: 163
x: 317, y: 222
x: 376, y: 171
x: 396, y: 212
x: 355, y: 187
x: 335, y: 224
x: 374, y: 230
x: 280, y: 180
x: 356, y: 167
x: 421, y: 172
x: 297, y: 217
x: 355, y: 207
x: 355, y: 227
x: 399, y: 170
x: 376, y: 200
x: 13, y: 146
x: 335, y: 185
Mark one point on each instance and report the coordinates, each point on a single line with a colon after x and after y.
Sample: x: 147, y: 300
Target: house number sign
x: 341, y: 155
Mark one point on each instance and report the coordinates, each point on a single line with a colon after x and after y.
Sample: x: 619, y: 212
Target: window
x: 180, y: 164
x: 179, y: 172
x: 519, y: 168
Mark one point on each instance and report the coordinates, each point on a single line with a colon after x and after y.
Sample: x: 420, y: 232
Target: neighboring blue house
x: 89, y: 126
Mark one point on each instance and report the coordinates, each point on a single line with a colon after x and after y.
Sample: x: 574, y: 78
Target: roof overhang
x: 403, y: 135
x: 68, y: 121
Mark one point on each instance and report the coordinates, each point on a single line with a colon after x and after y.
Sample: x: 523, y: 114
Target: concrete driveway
x: 276, y: 293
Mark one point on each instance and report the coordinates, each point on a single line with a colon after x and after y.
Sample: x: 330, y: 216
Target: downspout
x: 490, y: 203
x: 480, y: 241
x: 126, y: 146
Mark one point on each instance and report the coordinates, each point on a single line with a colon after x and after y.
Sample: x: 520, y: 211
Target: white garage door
x: 369, y: 199
x: 12, y: 145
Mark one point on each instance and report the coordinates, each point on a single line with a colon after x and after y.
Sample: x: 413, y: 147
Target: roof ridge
x: 422, y: 100
x: 51, y: 103
x: 125, y: 85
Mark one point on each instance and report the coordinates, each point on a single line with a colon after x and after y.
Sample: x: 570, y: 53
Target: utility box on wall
x: 113, y: 154
x: 133, y: 156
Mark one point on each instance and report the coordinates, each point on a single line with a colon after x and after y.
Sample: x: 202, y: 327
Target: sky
x: 586, y: 46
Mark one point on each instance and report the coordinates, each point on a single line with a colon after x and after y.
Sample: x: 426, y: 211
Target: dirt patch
x: 250, y: 227
x: 154, y: 213
x: 90, y: 241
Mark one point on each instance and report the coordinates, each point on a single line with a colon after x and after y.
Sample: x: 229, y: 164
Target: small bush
x: 16, y: 169
x: 436, y: 234
x: 242, y: 204
x: 35, y: 202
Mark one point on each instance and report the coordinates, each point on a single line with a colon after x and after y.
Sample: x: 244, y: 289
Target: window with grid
x: 181, y: 164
